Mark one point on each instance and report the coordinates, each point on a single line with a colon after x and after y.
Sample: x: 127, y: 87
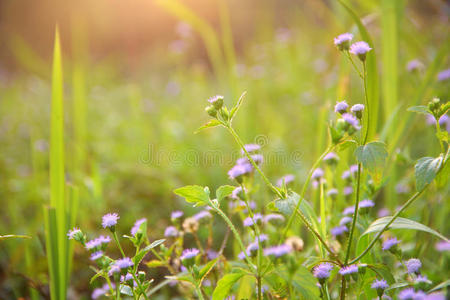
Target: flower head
x: 190, y: 225
x: 249, y: 221
x: 349, y: 210
x: 295, y: 243
x: 352, y: 120
x: 251, y: 148
x: 76, y: 234
x: 171, y: 231
x: 414, y: 65
x: 98, y: 242
x: 411, y: 294
x: 137, y: 225
x: 202, y: 215
x: 189, y: 253
x: 351, y: 269
x: 124, y: 263
x: 342, y: 41
x: 341, y: 107
x: 357, y: 109
x: 273, y: 217
x: 413, y: 265
x: 110, y: 220
x: 360, y: 49
x: 366, y: 203
x: 331, y: 158
x: 389, y: 243
x: 96, y: 255
x: 332, y: 193
x: 339, y: 230
x: 444, y: 75
x: 379, y: 284
x: 286, y: 179
x: 239, y: 170
x: 345, y: 220
x: 277, y: 251
x: 383, y: 212
x: 322, y: 272
x: 317, y: 174
x: 216, y: 101
x: 176, y: 214
x: 442, y: 246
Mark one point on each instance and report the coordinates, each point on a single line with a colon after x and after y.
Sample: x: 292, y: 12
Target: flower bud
x: 434, y: 104
x: 224, y: 113
x: 211, y: 111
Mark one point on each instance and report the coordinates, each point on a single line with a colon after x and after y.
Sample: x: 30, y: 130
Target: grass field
x: 88, y: 132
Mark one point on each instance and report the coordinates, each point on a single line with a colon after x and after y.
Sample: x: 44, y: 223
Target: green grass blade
x: 206, y: 31
x: 390, y: 12
x: 372, y: 74
x: 57, y: 225
x: 51, y: 244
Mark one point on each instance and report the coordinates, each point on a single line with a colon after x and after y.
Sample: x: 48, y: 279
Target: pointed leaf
x: 401, y: 223
x: 194, y: 194
x: 425, y: 171
x: 211, y: 123
x: 421, y: 109
x: 224, y: 191
x: 237, y: 106
x: 225, y: 284
x: 141, y: 254
x: 373, y: 157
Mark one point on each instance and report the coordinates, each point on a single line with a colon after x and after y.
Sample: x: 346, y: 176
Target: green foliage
x: 401, y: 223
x: 426, y: 169
x: 194, y: 194
x: 224, y: 191
x: 225, y: 284
x: 373, y: 157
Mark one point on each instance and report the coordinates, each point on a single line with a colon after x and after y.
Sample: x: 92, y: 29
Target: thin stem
x: 199, y: 292
x: 258, y: 236
x: 236, y: 235
x: 141, y: 289
x: 408, y: 203
x: 302, y: 194
x: 438, y: 130
x: 366, y: 98
x: 353, y: 63
x: 241, y: 144
x: 343, y: 286
x: 355, y: 214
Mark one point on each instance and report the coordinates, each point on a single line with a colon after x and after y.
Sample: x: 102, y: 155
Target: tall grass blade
x: 56, y: 221
x: 390, y: 13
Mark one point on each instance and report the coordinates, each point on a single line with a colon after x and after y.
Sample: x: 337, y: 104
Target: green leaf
x: 347, y: 144
x: 440, y: 286
x: 224, y: 191
x: 373, y: 157
x: 237, y: 106
x: 206, y: 269
x: 443, y: 176
x: 304, y: 283
x: 397, y: 285
x: 126, y: 290
x: 426, y: 169
x: 225, y: 284
x: 194, y: 194
x: 421, y: 109
x: 401, y: 223
x: 211, y: 123
x: 9, y: 236
x: 141, y: 254
x: 286, y: 206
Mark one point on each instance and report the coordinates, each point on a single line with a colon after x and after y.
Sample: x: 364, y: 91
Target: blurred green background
x: 137, y: 75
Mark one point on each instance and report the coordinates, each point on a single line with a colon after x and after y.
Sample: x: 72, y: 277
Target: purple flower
x: 442, y: 246
x: 252, y: 247
x: 352, y: 120
x: 346, y: 174
x: 421, y: 279
x: 341, y: 107
x: 249, y: 221
x: 137, y: 225
x: 389, y: 243
x: 113, y: 269
x: 413, y: 265
x: 410, y: 294
x: 97, y: 293
x: 96, y: 255
x: 345, y: 220
x: 236, y: 192
x: 379, y: 284
x: 170, y: 231
x: 348, y: 270
x: 98, y: 242
x: 339, y: 230
x: 189, y: 253
x: 332, y: 192
x: 444, y: 121
x: 443, y: 75
x: 354, y: 169
x: 383, y: 212
x: 357, y: 107
x: 176, y: 214
x: 348, y: 190
x: 331, y: 157
x: 271, y: 217
x: 262, y: 238
x: 211, y: 254
x: 317, y: 173
x: 110, y: 220
x: 435, y: 296
x: 73, y: 233
x: 414, y: 65
x: 322, y: 271
x: 251, y: 148
x: 126, y: 277
x: 215, y: 99
x: 360, y: 49
x: 202, y: 215
x: 239, y: 170
x: 287, y: 179
x: 349, y: 210
x: 277, y: 251
x: 366, y: 203
x: 124, y: 263
x: 342, y: 41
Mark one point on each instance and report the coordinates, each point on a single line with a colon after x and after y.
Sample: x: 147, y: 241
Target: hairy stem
x: 355, y: 214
